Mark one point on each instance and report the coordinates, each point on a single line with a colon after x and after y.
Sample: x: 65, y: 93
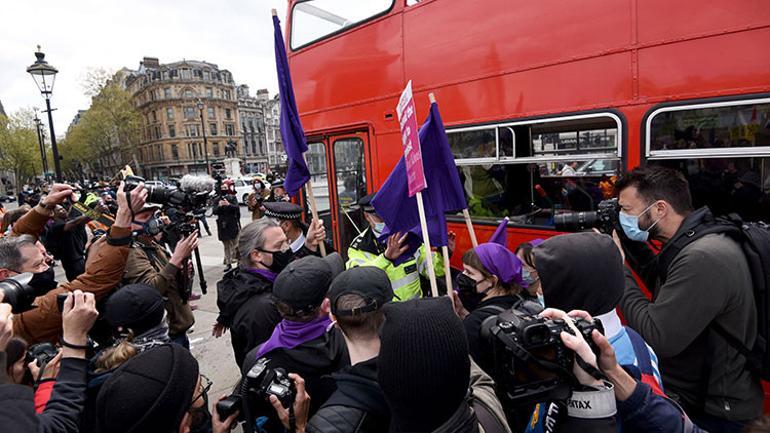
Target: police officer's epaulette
x: 356, y: 244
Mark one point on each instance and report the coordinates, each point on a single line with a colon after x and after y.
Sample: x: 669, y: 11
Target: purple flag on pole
x: 500, y: 236
x: 292, y: 134
x: 444, y: 193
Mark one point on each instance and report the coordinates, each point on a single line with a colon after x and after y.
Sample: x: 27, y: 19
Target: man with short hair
x: 699, y: 292
x: 304, y: 342
x: 104, y: 267
x: 288, y: 215
x: 66, y: 238
x: 244, y: 294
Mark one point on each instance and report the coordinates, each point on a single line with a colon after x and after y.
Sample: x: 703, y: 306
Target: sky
x: 80, y: 35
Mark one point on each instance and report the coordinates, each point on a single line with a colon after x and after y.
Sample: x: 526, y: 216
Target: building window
x: 228, y: 114
x: 175, y: 151
x: 226, y: 94
x: 206, y: 75
x: 154, y: 116
x: 188, y: 93
x: 229, y: 129
x: 169, y: 113
x: 215, y: 148
x: 189, y: 113
x: 212, y: 113
x: 209, y: 92
x: 171, y: 131
x: 213, y: 128
x: 157, y: 132
x: 197, y: 73
x: 185, y: 74
x: 192, y: 130
x: 152, y: 95
x: 167, y: 92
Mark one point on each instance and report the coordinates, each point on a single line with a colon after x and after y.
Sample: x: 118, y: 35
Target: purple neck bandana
x: 288, y: 335
x: 501, y: 262
x: 268, y: 275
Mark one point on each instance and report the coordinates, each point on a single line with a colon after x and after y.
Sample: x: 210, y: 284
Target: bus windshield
x: 314, y: 19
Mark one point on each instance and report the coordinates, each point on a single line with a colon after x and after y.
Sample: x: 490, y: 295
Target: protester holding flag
x: 392, y: 256
x: 490, y: 284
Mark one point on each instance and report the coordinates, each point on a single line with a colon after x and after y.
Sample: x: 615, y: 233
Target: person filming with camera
x: 702, y: 308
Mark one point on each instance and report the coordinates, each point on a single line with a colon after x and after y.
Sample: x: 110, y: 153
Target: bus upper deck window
x: 313, y: 20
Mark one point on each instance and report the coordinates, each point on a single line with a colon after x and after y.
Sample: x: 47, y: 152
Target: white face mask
x: 378, y: 228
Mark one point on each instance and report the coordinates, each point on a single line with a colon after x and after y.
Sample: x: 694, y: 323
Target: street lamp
x: 45, y: 75
x: 43, y: 157
x: 205, y: 142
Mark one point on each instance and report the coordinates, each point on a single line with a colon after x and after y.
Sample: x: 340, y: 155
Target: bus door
x: 338, y: 170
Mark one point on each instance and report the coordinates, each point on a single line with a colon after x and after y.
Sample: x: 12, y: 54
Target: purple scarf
x: 288, y: 335
x: 268, y: 275
x: 501, y: 262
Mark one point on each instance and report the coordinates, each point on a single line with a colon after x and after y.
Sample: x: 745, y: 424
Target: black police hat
x: 304, y: 283
x: 365, y: 203
x: 282, y: 210
x: 277, y: 183
x: 370, y: 283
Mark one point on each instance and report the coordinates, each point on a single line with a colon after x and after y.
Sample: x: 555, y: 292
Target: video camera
x: 252, y: 397
x: 191, y: 195
x: 531, y: 363
x: 18, y: 293
x: 605, y: 218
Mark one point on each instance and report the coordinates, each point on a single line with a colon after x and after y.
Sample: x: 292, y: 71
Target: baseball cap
x: 370, y: 283
x: 303, y: 284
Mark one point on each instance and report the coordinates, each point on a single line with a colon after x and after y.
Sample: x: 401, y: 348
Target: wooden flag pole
x: 313, y: 207
x: 447, y: 273
x: 274, y: 12
x: 426, y: 241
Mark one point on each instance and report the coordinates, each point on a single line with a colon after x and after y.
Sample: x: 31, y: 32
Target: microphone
x: 197, y: 183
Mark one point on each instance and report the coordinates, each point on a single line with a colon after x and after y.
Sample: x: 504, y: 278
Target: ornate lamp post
x: 44, y: 75
x: 205, y: 141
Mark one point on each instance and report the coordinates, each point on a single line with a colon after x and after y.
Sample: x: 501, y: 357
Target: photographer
x: 66, y: 239
x: 244, y: 294
x: 358, y: 405
x: 255, y: 199
x: 700, y: 292
x: 104, y: 267
x: 150, y: 263
x: 62, y: 411
x: 638, y: 407
x: 228, y: 222
x: 304, y: 341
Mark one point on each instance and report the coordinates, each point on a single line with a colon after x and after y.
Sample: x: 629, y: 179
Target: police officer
x: 288, y: 216
x: 366, y: 250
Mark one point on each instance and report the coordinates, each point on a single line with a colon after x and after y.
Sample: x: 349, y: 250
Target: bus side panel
x: 710, y: 66
x: 661, y: 20
x: 450, y: 42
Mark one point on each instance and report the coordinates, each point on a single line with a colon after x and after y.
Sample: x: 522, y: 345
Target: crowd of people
x: 328, y: 344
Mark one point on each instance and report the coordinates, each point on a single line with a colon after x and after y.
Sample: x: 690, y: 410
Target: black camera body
x: 252, y: 397
x: 18, y: 293
x: 531, y: 363
x: 605, y: 218
x: 170, y: 197
x: 41, y: 353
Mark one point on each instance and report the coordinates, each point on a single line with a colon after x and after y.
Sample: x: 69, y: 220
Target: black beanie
x: 580, y: 271
x: 150, y: 393
x: 136, y: 306
x: 423, y: 366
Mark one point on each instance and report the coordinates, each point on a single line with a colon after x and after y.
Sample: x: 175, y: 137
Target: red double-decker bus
x: 544, y: 101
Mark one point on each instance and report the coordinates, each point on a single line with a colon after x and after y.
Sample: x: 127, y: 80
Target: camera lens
x: 575, y: 221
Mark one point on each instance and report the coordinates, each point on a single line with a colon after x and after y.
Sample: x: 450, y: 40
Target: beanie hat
x: 580, y: 271
x: 423, y: 366
x: 136, y: 306
x: 150, y: 393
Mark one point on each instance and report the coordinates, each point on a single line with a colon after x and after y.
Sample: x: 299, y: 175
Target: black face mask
x: 43, y: 282
x: 201, y: 417
x: 468, y: 294
x: 281, y: 259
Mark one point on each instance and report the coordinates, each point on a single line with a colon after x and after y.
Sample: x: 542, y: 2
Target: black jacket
x: 357, y: 406
x: 228, y: 219
x: 246, y: 307
x: 61, y: 413
x: 473, y: 322
x: 314, y: 360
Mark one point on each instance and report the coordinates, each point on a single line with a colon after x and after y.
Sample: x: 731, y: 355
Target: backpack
x: 754, y: 239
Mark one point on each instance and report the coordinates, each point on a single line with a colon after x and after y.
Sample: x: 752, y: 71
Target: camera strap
x: 590, y: 369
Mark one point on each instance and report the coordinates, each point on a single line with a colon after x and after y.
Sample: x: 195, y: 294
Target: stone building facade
x: 167, y: 97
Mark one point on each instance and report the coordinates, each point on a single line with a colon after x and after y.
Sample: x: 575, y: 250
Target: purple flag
x: 444, y: 193
x: 500, y: 236
x: 292, y: 134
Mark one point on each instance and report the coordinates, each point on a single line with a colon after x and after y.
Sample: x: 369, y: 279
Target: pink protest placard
x: 407, y: 118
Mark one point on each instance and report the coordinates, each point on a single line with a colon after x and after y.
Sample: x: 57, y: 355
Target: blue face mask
x: 541, y: 299
x: 527, y: 276
x: 630, y: 224
x: 378, y: 228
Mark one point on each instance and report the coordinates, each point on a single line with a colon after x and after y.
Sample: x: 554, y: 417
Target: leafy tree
x: 19, y: 146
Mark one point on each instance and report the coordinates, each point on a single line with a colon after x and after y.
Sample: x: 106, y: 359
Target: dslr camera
x: 41, y: 353
x: 531, y: 363
x: 605, y: 218
x: 18, y: 293
x: 252, y: 396
x: 187, y: 199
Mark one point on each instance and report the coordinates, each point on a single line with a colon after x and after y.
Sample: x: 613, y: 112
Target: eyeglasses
x: 204, y: 389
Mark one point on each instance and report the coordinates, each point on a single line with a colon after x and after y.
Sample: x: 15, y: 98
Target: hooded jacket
x: 247, y: 308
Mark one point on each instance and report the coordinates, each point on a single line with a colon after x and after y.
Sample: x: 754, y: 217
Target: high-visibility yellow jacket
x: 365, y: 250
